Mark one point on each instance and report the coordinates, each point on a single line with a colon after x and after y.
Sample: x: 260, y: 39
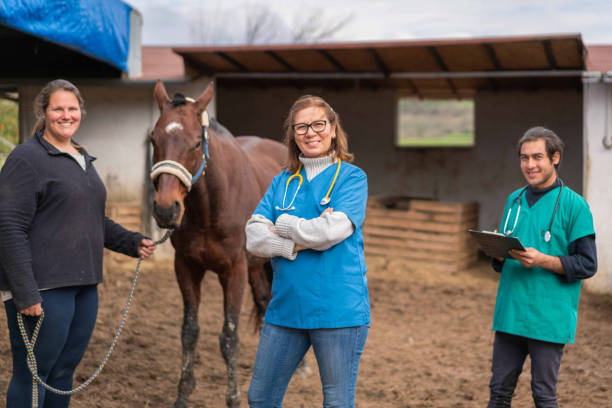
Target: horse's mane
x: 218, y: 128
x: 178, y: 99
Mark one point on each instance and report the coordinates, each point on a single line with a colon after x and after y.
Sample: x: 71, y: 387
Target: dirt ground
x: 429, y: 346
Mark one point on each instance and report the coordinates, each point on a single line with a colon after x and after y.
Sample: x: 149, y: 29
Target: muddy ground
x: 429, y: 346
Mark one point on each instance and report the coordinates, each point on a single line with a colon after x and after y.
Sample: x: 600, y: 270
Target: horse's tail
x: 261, y: 301
x: 269, y: 272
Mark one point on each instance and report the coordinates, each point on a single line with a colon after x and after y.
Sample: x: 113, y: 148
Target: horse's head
x: 178, y: 155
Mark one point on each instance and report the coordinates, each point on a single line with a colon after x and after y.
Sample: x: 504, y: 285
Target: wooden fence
x: 427, y: 233
x: 129, y: 215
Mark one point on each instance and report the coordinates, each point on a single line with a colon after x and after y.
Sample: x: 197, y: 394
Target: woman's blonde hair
x: 339, y: 144
x: 41, y: 102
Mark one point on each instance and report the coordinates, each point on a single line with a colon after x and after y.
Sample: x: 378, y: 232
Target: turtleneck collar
x: 534, y: 194
x: 316, y: 165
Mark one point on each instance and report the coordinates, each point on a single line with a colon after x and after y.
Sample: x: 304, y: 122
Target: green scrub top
x: 535, y: 302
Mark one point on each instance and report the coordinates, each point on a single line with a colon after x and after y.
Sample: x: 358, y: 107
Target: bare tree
x: 214, y: 25
x: 315, y: 26
x: 262, y: 25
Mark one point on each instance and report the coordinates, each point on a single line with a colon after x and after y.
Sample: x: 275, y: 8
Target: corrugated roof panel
x: 455, y: 66
x: 521, y: 55
x: 211, y: 61
x: 307, y: 60
x: 599, y: 58
x: 257, y: 62
x: 568, y: 54
x: 466, y: 57
x: 408, y: 59
x: 356, y: 60
x: 161, y: 63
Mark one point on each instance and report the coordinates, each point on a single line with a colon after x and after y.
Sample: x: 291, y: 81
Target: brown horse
x: 208, y: 216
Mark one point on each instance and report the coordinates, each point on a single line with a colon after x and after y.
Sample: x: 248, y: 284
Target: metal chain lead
x: 29, y: 343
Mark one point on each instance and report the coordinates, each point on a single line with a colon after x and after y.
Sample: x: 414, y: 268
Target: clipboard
x: 495, y: 244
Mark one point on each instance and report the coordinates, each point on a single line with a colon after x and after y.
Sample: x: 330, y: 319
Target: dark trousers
x: 70, y: 316
x: 509, y: 353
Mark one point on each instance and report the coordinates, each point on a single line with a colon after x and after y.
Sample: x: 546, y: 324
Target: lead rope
x: 29, y: 343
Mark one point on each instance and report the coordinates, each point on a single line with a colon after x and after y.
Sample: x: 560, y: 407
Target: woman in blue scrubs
x: 309, y: 223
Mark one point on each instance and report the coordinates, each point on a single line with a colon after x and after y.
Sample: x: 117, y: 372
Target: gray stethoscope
x: 547, y: 235
x: 324, y: 201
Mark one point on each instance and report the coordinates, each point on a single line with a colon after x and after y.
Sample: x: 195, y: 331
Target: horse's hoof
x: 180, y: 403
x: 233, y: 401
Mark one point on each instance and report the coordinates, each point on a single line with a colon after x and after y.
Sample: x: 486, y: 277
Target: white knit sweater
x: 265, y: 239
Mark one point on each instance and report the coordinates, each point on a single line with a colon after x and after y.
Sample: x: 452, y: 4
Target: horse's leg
x: 260, y: 280
x: 189, y: 278
x: 232, y: 280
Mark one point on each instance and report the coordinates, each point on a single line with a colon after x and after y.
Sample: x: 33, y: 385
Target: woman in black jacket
x: 52, y: 234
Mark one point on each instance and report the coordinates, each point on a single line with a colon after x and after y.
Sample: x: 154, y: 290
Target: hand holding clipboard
x: 495, y: 244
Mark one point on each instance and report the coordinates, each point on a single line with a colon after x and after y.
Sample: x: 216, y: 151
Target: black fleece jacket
x: 53, y: 228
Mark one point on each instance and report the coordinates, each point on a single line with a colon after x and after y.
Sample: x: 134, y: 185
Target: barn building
x: 514, y: 82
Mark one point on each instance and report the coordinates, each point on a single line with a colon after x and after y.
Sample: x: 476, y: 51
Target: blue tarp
x: 97, y: 28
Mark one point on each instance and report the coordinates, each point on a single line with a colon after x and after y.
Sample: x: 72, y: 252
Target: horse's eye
x: 197, y: 144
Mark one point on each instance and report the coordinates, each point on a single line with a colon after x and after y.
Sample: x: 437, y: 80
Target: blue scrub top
x: 535, y: 302
x: 320, y: 289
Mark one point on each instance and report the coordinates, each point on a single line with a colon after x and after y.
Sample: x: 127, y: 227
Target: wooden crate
x: 427, y: 233
x: 129, y: 215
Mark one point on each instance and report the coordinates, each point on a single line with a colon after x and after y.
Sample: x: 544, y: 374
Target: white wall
x: 597, y: 171
x: 486, y: 173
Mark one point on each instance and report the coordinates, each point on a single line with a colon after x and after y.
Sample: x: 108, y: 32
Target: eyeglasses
x: 317, y: 126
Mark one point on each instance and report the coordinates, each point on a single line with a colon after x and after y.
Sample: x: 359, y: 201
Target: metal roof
x: 599, y: 58
x: 159, y: 62
x: 424, y: 68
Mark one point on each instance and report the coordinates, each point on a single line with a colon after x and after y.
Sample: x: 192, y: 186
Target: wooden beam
x: 549, y: 54
x: 280, y: 60
x: 438, y: 58
x: 232, y: 61
x: 332, y: 60
x: 492, y: 56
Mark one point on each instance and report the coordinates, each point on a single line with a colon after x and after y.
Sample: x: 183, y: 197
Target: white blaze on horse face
x: 172, y: 126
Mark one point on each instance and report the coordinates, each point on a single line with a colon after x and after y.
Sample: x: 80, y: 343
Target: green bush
x: 9, y: 128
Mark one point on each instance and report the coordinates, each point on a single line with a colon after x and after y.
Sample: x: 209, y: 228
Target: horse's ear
x: 205, y: 98
x: 161, y: 96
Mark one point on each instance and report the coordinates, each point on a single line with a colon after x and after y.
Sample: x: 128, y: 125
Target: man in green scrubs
x: 537, y: 298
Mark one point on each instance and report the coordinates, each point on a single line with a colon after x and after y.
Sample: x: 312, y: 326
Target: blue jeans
x: 281, y: 349
x: 70, y: 317
x: 509, y: 353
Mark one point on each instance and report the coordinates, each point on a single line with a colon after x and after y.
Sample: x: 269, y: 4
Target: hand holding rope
x: 30, y: 342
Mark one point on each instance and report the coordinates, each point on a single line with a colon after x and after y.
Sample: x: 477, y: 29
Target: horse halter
x: 177, y: 169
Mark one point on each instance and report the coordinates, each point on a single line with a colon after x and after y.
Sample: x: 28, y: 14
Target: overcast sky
x: 189, y: 22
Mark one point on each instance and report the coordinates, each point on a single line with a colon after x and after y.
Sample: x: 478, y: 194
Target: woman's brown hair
x: 339, y: 144
x: 41, y: 102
